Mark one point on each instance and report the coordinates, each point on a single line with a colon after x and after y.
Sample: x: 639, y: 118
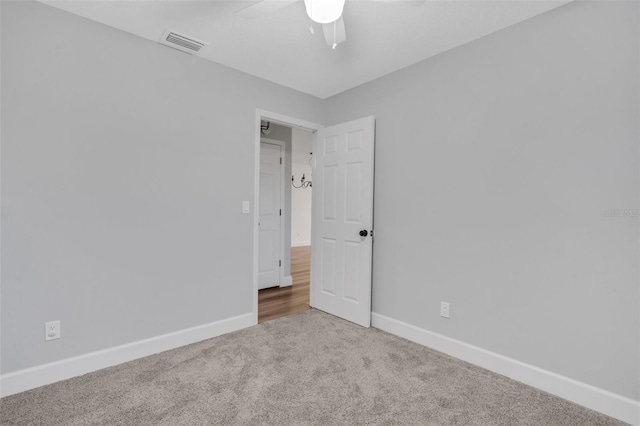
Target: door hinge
x: 280, y: 212
x: 280, y: 160
x: 280, y: 263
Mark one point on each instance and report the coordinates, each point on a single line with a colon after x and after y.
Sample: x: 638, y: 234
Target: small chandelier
x: 304, y: 183
x: 324, y: 11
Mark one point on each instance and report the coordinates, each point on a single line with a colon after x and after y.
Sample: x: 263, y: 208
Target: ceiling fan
x: 328, y: 13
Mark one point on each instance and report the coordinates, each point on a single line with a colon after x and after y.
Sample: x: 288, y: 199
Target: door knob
x: 364, y: 233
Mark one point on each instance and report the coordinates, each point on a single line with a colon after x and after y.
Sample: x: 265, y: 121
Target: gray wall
x: 124, y: 167
x: 124, y: 164
x: 284, y: 134
x: 495, y: 163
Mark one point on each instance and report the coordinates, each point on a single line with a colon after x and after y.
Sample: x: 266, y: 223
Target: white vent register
x: 182, y: 42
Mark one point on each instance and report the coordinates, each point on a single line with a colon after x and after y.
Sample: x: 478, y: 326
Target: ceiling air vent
x: 182, y: 42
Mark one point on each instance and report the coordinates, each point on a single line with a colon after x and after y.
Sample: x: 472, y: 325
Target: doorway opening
x: 342, y: 217
x: 283, y: 212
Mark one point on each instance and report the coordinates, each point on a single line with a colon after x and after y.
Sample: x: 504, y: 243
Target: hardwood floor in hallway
x: 282, y: 301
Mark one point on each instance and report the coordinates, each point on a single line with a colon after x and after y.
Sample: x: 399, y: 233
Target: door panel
x: 342, y: 207
x: 269, y: 210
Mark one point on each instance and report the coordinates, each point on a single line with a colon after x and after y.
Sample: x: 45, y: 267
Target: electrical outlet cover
x: 444, y: 309
x: 51, y: 330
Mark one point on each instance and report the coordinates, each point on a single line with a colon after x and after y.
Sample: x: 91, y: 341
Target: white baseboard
x: 300, y: 243
x: 609, y: 403
x: 286, y: 281
x: 30, y: 378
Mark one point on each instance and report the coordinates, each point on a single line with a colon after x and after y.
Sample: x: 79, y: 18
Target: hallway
x: 278, y: 302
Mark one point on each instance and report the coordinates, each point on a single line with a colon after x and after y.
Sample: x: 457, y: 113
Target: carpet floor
x: 306, y: 369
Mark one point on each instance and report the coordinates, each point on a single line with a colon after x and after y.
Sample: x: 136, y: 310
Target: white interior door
x: 269, y: 231
x: 341, y: 253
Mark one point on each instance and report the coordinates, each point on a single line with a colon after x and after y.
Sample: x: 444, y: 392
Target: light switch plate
x: 245, y: 207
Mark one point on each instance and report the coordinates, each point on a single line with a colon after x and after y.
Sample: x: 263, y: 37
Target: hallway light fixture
x: 304, y: 183
x: 324, y: 11
x: 265, y: 127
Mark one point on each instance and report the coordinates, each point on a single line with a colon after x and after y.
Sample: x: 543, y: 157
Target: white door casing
x: 275, y: 117
x: 270, y: 214
x: 342, y: 208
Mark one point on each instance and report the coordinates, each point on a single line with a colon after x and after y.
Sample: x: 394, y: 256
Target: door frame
x: 283, y: 156
x: 290, y: 122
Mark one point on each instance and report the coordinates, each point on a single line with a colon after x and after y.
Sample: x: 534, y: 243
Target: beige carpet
x: 305, y: 369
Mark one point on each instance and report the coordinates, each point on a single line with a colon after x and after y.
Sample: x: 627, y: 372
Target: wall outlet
x: 444, y: 309
x: 51, y: 330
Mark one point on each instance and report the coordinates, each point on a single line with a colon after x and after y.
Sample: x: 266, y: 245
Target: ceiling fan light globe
x: 324, y: 11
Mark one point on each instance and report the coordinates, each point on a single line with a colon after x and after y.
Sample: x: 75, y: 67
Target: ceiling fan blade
x: 340, y: 33
x: 263, y: 7
x: 403, y: 2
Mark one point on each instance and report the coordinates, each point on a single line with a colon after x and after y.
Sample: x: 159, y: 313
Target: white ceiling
x: 381, y: 37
